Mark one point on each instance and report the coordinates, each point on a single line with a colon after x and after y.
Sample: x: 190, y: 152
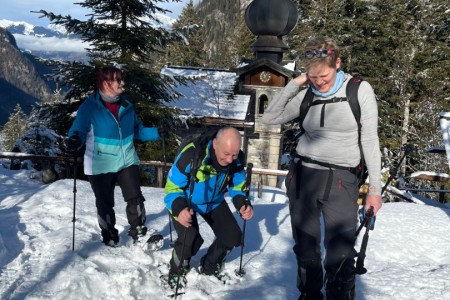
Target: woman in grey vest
x: 322, y: 181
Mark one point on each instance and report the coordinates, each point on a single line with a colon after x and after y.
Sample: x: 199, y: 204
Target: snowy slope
x: 408, y: 255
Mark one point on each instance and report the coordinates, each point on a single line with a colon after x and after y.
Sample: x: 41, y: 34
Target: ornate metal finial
x: 270, y: 20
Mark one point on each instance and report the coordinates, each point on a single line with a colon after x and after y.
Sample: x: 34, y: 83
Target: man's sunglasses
x: 318, y: 53
x: 119, y: 80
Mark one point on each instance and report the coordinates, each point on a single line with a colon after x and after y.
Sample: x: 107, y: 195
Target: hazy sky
x: 20, y: 10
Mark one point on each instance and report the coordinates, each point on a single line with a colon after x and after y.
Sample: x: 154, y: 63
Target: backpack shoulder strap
x: 200, y: 144
x: 304, y: 107
x: 352, y: 98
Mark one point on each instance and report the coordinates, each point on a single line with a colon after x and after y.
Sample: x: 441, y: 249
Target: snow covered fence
x: 47, y: 165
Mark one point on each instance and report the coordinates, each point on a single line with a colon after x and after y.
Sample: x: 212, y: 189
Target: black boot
x: 178, y: 266
x: 339, y: 288
x: 340, y: 281
x: 110, y: 237
x: 310, y: 279
x: 208, y: 268
x: 311, y: 296
x: 177, y: 275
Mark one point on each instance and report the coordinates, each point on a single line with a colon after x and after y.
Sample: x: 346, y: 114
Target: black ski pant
x: 103, y: 186
x: 331, y: 194
x: 226, y: 229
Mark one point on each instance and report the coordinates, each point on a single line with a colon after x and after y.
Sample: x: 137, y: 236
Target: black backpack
x: 200, y: 141
x: 352, y: 99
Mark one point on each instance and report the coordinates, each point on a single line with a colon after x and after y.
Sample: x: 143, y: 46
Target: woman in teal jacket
x: 107, y: 123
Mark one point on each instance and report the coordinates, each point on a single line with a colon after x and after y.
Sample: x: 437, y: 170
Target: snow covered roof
x: 208, y: 93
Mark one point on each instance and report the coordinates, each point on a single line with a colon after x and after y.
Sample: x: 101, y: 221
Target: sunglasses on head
x: 318, y: 53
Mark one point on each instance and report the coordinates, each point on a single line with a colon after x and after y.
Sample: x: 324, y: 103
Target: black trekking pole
x: 362, y: 253
x: 163, y: 141
x: 408, y: 148
x: 246, y: 188
x: 75, y: 159
x: 192, y: 179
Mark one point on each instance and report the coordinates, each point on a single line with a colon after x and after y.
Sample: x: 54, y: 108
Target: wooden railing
x: 266, y: 172
x: 32, y: 157
x: 162, y: 168
x: 257, y: 172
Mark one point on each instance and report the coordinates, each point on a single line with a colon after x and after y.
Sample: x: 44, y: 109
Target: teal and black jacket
x: 210, y: 186
x: 109, y: 142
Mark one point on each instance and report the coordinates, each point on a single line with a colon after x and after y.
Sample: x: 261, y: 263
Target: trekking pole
x: 163, y: 141
x: 246, y: 188
x: 362, y: 253
x: 191, y: 190
x: 74, y: 199
x: 408, y: 148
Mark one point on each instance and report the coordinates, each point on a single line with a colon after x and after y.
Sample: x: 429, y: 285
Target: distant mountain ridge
x: 53, y: 42
x: 19, y: 81
x: 25, y: 28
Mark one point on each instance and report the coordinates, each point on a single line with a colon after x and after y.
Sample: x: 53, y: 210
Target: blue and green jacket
x: 109, y: 142
x: 210, y: 186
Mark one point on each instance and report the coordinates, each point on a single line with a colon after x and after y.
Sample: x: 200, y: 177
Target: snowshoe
x: 170, y: 281
x: 150, y: 244
x: 154, y: 243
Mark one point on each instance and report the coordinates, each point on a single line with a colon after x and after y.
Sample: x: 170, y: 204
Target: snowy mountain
x: 53, y: 42
x: 407, y: 254
x: 20, y: 82
x: 24, y: 28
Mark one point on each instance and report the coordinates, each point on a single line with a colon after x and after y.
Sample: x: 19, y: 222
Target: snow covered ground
x: 408, y: 255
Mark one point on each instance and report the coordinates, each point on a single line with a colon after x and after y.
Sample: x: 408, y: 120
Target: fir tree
x: 117, y: 32
x: 14, y: 128
x: 123, y: 33
x: 410, y: 82
x: 240, y: 43
x: 189, y: 49
x: 400, y: 48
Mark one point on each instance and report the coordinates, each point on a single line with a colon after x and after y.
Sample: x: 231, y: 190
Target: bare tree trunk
x: 404, y: 138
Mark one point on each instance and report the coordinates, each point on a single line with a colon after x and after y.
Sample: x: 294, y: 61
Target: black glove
x: 240, y: 201
x: 247, y: 203
x: 74, y: 143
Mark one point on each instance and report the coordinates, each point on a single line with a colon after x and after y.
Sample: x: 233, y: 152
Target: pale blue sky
x: 19, y: 10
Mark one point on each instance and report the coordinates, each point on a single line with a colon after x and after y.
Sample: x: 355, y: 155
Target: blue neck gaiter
x: 340, y: 76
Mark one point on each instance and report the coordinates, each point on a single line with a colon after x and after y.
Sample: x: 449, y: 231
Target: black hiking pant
x: 103, y: 186
x: 331, y: 194
x: 227, y: 232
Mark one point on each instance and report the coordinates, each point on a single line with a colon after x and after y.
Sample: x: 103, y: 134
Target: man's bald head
x: 227, y: 145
